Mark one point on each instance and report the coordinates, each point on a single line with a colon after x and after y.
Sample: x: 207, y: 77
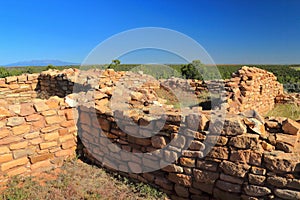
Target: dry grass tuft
x: 291, y: 111
x: 78, y: 180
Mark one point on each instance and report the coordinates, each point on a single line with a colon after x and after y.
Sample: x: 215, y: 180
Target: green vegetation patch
x: 79, y: 181
x: 291, y: 111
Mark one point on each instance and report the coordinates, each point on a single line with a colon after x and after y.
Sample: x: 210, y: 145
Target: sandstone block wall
x: 252, y: 88
x: 249, y: 88
x: 242, y: 164
x: 17, y: 89
x: 253, y: 158
x: 35, y: 134
x: 52, y: 83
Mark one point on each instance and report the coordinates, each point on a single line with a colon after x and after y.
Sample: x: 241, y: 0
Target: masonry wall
x: 16, y: 89
x: 252, y: 158
x: 35, y: 134
x: 242, y: 164
x: 252, y: 88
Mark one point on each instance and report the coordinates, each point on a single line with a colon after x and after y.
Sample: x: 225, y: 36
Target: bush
x: 191, y: 70
x: 3, y: 72
x: 51, y: 67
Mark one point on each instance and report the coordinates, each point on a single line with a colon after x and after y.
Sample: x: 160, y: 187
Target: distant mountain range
x: 40, y: 63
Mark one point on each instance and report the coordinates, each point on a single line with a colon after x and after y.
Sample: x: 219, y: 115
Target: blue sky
x: 233, y: 31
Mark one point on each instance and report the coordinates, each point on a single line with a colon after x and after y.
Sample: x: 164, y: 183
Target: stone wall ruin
x: 253, y: 157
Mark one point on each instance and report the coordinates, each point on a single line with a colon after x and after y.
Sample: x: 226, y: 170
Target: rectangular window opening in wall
x: 260, y: 89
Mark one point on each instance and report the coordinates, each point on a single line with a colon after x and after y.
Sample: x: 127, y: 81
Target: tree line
x: 288, y: 75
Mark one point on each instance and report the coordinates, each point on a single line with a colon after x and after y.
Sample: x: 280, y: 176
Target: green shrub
x: 3, y: 72
x: 51, y: 67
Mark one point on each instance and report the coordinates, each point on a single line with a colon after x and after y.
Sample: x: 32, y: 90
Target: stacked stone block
x: 15, y: 89
x: 252, y: 88
x: 241, y: 165
x: 248, y: 158
x: 36, y: 136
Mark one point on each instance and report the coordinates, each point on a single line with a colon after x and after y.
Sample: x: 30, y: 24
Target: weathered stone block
x: 281, y: 162
x: 38, y: 158
x: 68, y: 144
x: 218, y: 140
x: 15, y: 121
x: 19, y: 145
x: 219, y: 153
x: 40, y: 106
x: 207, y: 165
x: 46, y: 145
x: 26, y: 109
x: 246, y: 141
x: 14, y: 163
x: 231, y: 179
x: 205, y: 176
x: 192, y: 154
x: 23, y: 152
x: 232, y: 126
x: 187, y: 162
x: 181, y: 179
x: 173, y: 168
x: 197, y: 145
x: 197, y: 122
x: 33, y: 117
x: 170, y: 156
x: 4, y: 113
x: 256, y: 179
x: 228, y: 187
x: 289, y: 126
x: 293, y: 183
x: 256, y: 191
x: 3, y: 133
x: 5, y: 158
x: 49, y: 113
x: 67, y: 152
x: 158, y: 142
x: 54, y: 119
x: 234, y: 169
x: 10, y: 139
x: 104, y: 124
x: 11, y: 79
x: 181, y: 191
x: 277, y: 181
x: 4, y: 149
x: 51, y: 136
x: 287, y: 194
x: 50, y: 128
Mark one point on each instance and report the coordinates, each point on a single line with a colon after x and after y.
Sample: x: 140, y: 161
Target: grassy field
x: 286, y: 110
x: 297, y: 68
x: 77, y: 181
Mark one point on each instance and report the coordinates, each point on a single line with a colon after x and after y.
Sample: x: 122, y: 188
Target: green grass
x: 78, y: 181
x: 296, y: 68
x: 286, y: 110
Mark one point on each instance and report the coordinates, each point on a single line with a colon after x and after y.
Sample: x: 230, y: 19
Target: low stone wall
x: 16, y: 89
x: 192, y: 156
x: 35, y: 134
x: 242, y: 164
x: 252, y: 88
x: 55, y: 83
x: 249, y: 88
